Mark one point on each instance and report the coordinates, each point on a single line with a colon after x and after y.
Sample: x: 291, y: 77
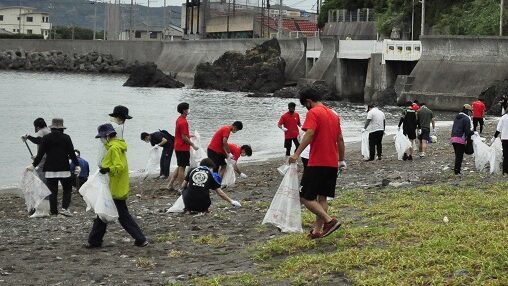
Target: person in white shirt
x: 375, y: 125
x: 502, y: 128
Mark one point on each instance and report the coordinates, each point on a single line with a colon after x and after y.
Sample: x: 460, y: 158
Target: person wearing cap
x: 115, y: 165
x: 182, y: 145
x: 218, y: 149
x: 41, y: 130
x: 479, y: 109
x: 118, y: 116
x: 375, y: 125
x: 163, y: 139
x: 58, y: 149
x: 462, y: 130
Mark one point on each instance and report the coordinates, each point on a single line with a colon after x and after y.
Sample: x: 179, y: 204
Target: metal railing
x: 358, y: 15
x: 296, y: 34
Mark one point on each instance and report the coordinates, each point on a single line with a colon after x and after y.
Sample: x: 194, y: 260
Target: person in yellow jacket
x: 115, y: 165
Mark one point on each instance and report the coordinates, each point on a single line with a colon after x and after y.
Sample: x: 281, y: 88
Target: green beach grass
x: 395, y: 237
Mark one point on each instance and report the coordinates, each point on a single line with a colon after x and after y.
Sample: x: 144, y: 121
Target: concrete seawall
x: 180, y: 57
x: 454, y: 70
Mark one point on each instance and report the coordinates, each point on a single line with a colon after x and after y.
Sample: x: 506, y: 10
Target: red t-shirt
x: 217, y: 139
x: 181, y: 128
x: 478, y: 109
x: 415, y: 107
x: 235, y: 150
x: 326, y: 126
x: 291, y: 122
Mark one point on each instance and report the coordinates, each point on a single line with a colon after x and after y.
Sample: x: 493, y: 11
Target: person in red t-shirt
x: 237, y: 152
x: 479, y: 109
x: 218, y: 149
x: 182, y: 145
x: 324, y: 134
x: 289, y: 123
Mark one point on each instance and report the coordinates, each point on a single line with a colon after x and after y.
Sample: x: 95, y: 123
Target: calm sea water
x: 84, y: 101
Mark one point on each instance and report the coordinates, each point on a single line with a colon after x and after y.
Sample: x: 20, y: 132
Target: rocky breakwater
x: 92, y: 62
x: 148, y: 75
x: 260, y: 69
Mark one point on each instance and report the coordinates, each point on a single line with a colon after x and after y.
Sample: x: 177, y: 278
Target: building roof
x: 30, y: 13
x: 15, y: 7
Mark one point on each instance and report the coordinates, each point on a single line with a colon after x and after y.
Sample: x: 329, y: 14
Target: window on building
x: 153, y: 35
x: 29, y: 19
x: 408, y: 48
x: 1, y: 17
x: 137, y: 34
x: 29, y: 32
x: 17, y: 18
x: 417, y: 48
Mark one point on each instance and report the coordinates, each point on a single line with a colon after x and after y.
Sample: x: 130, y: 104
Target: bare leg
x: 318, y: 226
x: 424, y: 146
x: 317, y: 208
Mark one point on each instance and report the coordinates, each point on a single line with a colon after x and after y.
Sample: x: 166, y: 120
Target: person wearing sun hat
x: 58, y: 149
x: 118, y: 117
x: 115, y: 165
x: 462, y: 130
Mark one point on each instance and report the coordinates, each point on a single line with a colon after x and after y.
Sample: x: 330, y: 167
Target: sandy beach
x: 185, y: 247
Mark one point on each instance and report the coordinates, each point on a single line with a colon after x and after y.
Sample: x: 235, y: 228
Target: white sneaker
x: 65, y: 212
x: 39, y: 215
x: 422, y: 155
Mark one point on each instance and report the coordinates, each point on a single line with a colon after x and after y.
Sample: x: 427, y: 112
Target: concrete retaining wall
x: 181, y: 57
x: 324, y: 68
x: 357, y: 30
x: 454, y: 70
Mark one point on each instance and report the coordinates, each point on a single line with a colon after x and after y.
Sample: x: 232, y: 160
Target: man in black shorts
x: 323, y: 133
x: 409, y: 122
x: 218, y: 149
x: 425, y: 118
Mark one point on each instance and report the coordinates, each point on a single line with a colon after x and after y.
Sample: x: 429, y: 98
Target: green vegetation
x: 76, y: 33
x: 244, y: 279
x: 20, y: 36
x: 456, y: 17
x: 398, y: 237
x: 211, y: 240
x: 167, y: 237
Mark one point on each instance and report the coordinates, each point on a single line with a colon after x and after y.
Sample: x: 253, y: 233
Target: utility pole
x: 130, y: 20
x: 106, y: 15
x: 279, y: 30
x: 227, y: 19
x: 164, y: 16
x: 422, y: 32
x: 413, y: 21
x: 94, y: 18
x: 501, y: 18
x: 19, y: 17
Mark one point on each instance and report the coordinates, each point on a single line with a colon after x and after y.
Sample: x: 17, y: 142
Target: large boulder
x: 493, y: 96
x: 148, y: 75
x: 261, y: 69
x: 321, y: 87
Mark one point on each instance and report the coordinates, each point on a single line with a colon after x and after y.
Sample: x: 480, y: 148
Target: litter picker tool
x: 29, y: 150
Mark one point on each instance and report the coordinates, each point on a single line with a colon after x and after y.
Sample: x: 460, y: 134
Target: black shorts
x: 425, y: 135
x: 182, y: 158
x: 318, y: 181
x: 411, y: 133
x: 289, y: 142
x: 218, y: 159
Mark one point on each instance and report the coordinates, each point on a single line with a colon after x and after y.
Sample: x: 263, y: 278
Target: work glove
x: 284, y: 129
x: 77, y: 170
x: 243, y: 176
x: 363, y: 130
x: 230, y: 156
x: 104, y: 170
x: 342, y: 165
x: 236, y: 204
x: 419, y: 132
x: 24, y: 137
x: 30, y: 168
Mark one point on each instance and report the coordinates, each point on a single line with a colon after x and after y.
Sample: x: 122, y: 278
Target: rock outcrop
x: 148, y: 75
x: 494, y: 96
x: 58, y: 61
x: 261, y: 69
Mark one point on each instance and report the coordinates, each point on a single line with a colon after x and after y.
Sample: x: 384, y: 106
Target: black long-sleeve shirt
x: 58, y: 149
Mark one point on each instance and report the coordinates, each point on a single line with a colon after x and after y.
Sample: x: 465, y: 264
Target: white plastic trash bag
x: 34, y: 190
x: 283, y: 169
x: 153, y: 163
x: 365, y: 145
x: 496, y: 156
x: 178, y: 206
x: 196, y: 155
x: 482, y: 152
x: 285, y: 211
x: 97, y: 196
x: 229, y: 178
x: 402, y: 144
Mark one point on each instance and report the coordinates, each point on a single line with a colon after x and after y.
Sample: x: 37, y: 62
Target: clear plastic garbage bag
x: 365, y: 145
x: 97, y: 197
x: 283, y: 169
x: 285, y: 211
x: 178, y: 206
x: 229, y: 178
x: 34, y: 190
x: 402, y: 144
x: 482, y: 152
x: 153, y: 163
x: 196, y: 155
x: 496, y: 156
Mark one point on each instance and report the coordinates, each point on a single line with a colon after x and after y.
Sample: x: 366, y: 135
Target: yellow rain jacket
x: 116, y: 160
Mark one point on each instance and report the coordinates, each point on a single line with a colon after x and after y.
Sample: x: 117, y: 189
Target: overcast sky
x: 308, y: 5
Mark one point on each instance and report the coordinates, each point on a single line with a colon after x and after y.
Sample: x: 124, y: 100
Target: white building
x: 142, y: 32
x: 18, y: 19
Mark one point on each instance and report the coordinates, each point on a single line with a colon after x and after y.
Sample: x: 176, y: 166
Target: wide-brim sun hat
x: 57, y: 123
x: 105, y: 130
x: 120, y: 111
